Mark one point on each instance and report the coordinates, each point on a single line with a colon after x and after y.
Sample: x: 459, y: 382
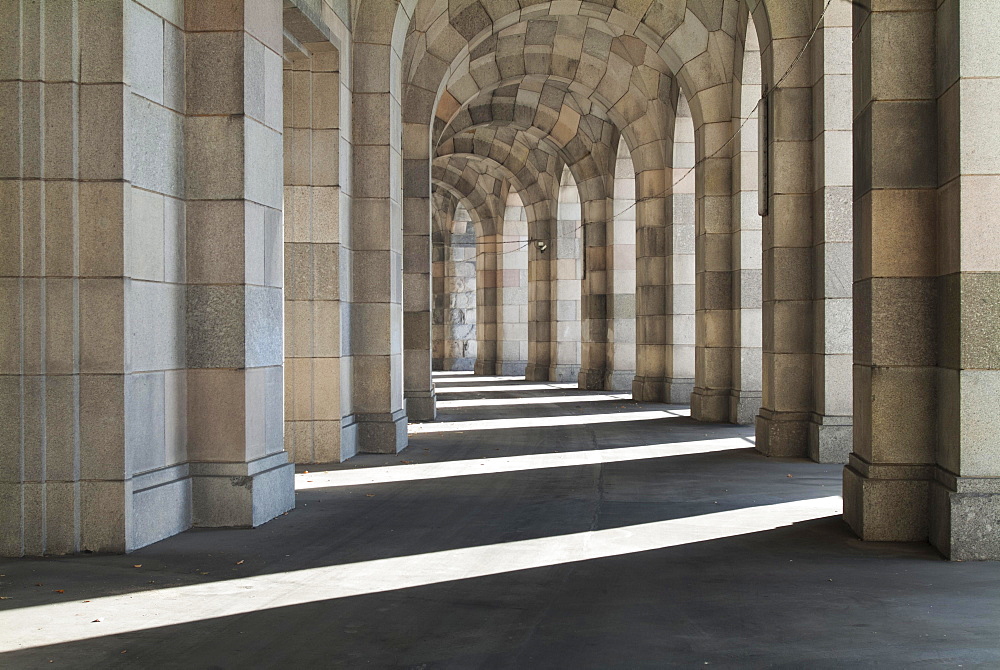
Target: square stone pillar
x: 624, y: 295
x: 417, y: 354
x: 965, y: 492
x: 651, y: 317
x: 896, y: 379
x: 567, y: 251
x: 680, y: 263
x: 511, y: 296
x: 316, y: 247
x: 487, y: 306
x: 376, y: 322
x: 713, y: 274
x: 234, y: 184
x: 540, y: 305
x: 595, y: 301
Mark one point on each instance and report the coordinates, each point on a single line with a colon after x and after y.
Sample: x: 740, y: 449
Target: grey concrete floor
x: 460, y: 554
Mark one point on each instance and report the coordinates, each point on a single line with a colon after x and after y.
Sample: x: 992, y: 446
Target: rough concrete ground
x: 806, y: 594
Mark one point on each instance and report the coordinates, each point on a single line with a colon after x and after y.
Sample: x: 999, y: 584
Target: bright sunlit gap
x: 489, y: 466
x: 538, y: 400
x: 449, y: 373
x: 470, y: 380
x: 513, y: 388
x: 543, y: 421
x: 61, y: 623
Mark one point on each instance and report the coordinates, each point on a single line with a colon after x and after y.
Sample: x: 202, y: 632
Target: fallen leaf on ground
x: 239, y: 562
x: 789, y: 476
x: 137, y: 566
x: 370, y: 495
x: 59, y: 591
x: 96, y: 621
x: 4, y: 597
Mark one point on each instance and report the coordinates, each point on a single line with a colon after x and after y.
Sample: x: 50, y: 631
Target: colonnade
x: 241, y: 234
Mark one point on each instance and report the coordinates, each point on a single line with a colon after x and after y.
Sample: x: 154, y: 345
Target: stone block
x: 144, y: 49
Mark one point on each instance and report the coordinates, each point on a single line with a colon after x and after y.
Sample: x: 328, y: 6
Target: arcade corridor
x: 533, y: 525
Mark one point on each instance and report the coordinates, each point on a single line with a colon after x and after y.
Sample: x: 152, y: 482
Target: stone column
x: 512, y: 290
x: 788, y: 326
x: 896, y: 394
x: 460, y: 298
x: 541, y: 224
x: 594, y: 301
x: 566, y: 250
x: 376, y: 321
x: 745, y: 401
x: 925, y: 461
x: 315, y: 252
x: 234, y: 184
x: 487, y: 305
x: 680, y: 263
x: 965, y: 493
x: 620, y: 370
x: 652, y: 346
x: 713, y: 266
x: 830, y: 425
x: 418, y: 385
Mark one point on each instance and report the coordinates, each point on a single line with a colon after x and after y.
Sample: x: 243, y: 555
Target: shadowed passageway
x: 533, y: 525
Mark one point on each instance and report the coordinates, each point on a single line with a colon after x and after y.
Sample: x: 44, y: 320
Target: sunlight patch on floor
x: 543, y: 421
x: 470, y: 380
x: 127, y: 613
x: 546, y: 400
x: 510, y: 388
x: 489, y: 466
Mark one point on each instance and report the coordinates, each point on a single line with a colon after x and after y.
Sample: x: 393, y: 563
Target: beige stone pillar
x: 541, y: 224
x: 316, y: 250
x: 459, y: 299
x: 830, y: 424
x: 565, y: 365
x: 234, y: 183
x: 787, y: 311
x: 652, y: 252
x: 417, y: 382
x: 680, y: 263
x: 887, y: 481
x: 713, y: 267
x: 376, y: 320
x: 487, y: 305
x: 620, y: 367
x: 965, y: 493
x: 925, y: 461
x: 745, y: 400
x: 594, y: 300
x: 512, y: 289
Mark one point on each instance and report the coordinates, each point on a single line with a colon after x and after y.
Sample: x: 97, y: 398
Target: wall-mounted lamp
x: 542, y: 246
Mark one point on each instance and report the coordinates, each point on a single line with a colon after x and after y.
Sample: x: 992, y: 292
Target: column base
x: 591, y: 380
x: 886, y: 503
x: 619, y: 380
x: 382, y: 433
x: 965, y: 516
x: 485, y: 368
x: 650, y: 389
x: 782, y: 434
x: 242, y: 495
x: 459, y: 364
x: 831, y: 438
x: 536, y: 373
x: 679, y: 390
x: 512, y: 368
x: 710, y: 406
x: 421, y: 405
x: 564, y: 374
x: 744, y: 407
